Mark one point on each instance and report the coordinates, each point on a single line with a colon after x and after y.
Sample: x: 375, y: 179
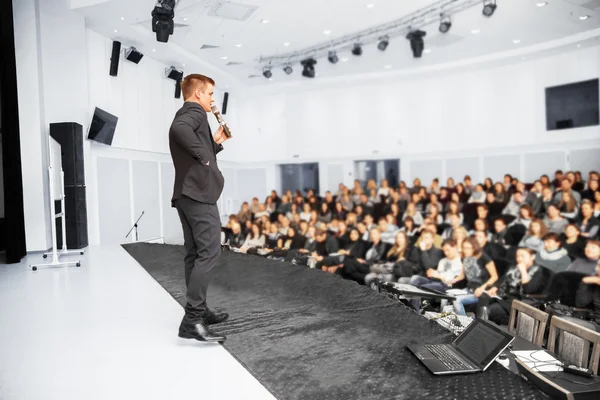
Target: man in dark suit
x: 198, y: 185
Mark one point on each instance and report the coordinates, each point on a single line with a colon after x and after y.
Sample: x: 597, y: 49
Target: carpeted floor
x: 305, y: 334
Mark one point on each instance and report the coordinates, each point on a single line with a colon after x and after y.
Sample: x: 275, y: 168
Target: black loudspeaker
x: 70, y: 137
x: 225, y: 99
x: 114, y: 58
x: 133, y: 55
x: 177, y: 89
x: 75, y: 218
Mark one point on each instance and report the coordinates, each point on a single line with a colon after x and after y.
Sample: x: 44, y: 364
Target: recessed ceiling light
x: 475, y: 31
x: 153, y: 49
x: 238, y: 45
x: 542, y: 3
x: 427, y: 51
x: 116, y: 31
x: 522, y: 58
x: 264, y: 21
x: 370, y: 5
x: 122, y: 18
x: 344, y: 59
x: 183, y: 65
x: 387, y: 66
x: 578, y: 45
x: 326, y: 32
x: 584, y: 17
x: 270, y: 79
x: 517, y: 41
x: 224, y: 58
x: 185, y: 18
x: 286, y: 44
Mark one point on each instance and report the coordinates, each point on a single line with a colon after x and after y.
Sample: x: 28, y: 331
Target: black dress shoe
x: 211, y: 318
x: 199, y: 332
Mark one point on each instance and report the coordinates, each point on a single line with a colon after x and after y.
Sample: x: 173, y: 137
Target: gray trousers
x: 202, y: 241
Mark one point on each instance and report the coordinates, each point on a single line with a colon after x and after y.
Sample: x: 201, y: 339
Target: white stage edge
x: 106, y: 330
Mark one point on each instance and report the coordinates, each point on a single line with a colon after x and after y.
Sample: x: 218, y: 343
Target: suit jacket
x: 194, y: 154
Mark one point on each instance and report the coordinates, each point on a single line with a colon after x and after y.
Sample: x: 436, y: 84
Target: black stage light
x: 309, y: 67
x: 357, y: 49
x: 416, y: 42
x: 489, y: 6
x: 267, y: 73
x: 288, y: 69
x: 332, y: 57
x: 445, y: 24
x: 162, y: 20
x: 383, y: 43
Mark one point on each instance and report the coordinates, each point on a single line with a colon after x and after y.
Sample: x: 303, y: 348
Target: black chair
x: 502, y: 265
x: 442, y: 227
x: 514, y: 234
x: 563, y: 287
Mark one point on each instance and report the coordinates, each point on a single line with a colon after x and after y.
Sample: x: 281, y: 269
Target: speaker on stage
x: 225, y: 100
x: 114, y: 58
x: 70, y: 137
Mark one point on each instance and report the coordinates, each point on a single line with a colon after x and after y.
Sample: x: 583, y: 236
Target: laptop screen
x: 482, y: 342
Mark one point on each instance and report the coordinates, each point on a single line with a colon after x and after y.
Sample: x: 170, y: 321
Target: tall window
x: 377, y: 170
x: 300, y: 177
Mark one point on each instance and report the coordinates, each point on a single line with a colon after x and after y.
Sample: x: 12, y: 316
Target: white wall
x: 481, y: 108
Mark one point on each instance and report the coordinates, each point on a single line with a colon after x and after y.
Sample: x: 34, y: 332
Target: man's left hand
x: 220, y: 136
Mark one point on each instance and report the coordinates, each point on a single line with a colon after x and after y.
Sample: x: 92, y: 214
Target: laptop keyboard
x: 447, y: 357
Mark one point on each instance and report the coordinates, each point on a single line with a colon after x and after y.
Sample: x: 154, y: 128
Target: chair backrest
x: 574, y: 343
x: 527, y: 322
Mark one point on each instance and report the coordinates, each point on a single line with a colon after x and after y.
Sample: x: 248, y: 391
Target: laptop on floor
x: 473, y: 351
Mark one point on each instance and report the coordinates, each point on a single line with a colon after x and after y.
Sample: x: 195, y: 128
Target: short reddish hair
x: 194, y: 81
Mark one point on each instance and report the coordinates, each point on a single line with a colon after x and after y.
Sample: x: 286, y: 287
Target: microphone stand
x: 135, y: 226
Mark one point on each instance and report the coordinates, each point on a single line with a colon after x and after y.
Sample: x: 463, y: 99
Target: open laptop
x: 473, y: 351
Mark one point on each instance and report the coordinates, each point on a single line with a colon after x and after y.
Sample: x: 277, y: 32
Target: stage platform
x: 106, y: 330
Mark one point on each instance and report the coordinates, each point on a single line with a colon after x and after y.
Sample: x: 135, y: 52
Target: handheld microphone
x: 221, y: 121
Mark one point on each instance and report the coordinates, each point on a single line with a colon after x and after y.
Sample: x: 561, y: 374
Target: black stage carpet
x: 306, y: 334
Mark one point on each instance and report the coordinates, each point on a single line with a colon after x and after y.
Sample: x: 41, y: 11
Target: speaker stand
x: 56, y: 254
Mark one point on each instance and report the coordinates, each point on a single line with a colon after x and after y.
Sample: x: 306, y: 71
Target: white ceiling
x: 302, y: 24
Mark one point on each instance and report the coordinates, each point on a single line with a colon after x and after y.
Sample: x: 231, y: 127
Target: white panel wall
x: 251, y: 183
x: 170, y: 219
x: 585, y: 160
x: 426, y: 170
x: 114, y: 200
x: 538, y: 164
x: 146, y: 198
x: 496, y: 167
x: 457, y: 168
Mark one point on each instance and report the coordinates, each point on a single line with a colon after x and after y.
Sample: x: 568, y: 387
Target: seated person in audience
x: 520, y: 187
x: 301, y: 255
x: 326, y: 245
x: 339, y: 212
x: 480, y: 274
x: 272, y: 237
x: 395, y: 259
x: 404, y: 195
x: 586, y: 265
x: 469, y: 186
x: 427, y: 255
x: 454, y: 224
x: 411, y: 211
x: 490, y: 198
x: 416, y: 186
x: 463, y: 196
x: 366, y: 204
x: 255, y: 206
x: 325, y: 215
x: 417, y: 202
x: 545, y: 179
x: 428, y: 225
x: 395, y: 212
x: 255, y: 239
x: 351, y: 220
x: 524, y: 278
x: 450, y: 186
x: 525, y: 216
x: 347, y: 203
x: 342, y: 235
x: 295, y: 221
x: 444, y: 197
x: 514, y: 205
x: 552, y: 255
x: 481, y: 225
x: 314, y: 218
x: 293, y: 211
x: 410, y: 229
x: 579, y: 184
x: 495, y: 251
x: 556, y: 223
x: 488, y: 212
x: 285, y: 206
x: 453, y: 208
x: 373, y: 197
x: 434, y: 188
x: 459, y: 236
x: 499, y: 236
x: 547, y: 199
x: 597, y: 204
x: 388, y: 232
x: 588, y: 224
x: 588, y: 296
x: 329, y: 200
x: 284, y: 225
x: 369, y: 224
x: 356, y: 192
x: 534, y: 197
x: 591, y: 189
x: 568, y: 206
x: 488, y: 185
x: 354, y: 248
x: 565, y: 186
x: 357, y: 269
x: 478, y: 196
x: 558, y: 177
x: 245, y: 214
x: 362, y: 229
x: 275, y: 198
x: 270, y: 205
x: 384, y: 190
x: 342, y: 190
x: 508, y: 183
x: 262, y: 212
x: 433, y: 201
x: 358, y: 211
x: 434, y: 214
x: 303, y: 229
x: 236, y: 239
x: 502, y: 195
x: 533, y: 238
x: 573, y: 242
x: 448, y: 269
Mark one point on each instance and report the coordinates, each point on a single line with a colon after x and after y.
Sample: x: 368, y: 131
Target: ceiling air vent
x: 234, y: 11
x: 253, y: 76
x: 208, y: 47
x: 231, y: 63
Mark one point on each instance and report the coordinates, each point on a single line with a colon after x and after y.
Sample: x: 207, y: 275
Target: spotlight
x: 162, y: 20
x: 383, y: 43
x: 357, y: 49
x: 445, y: 24
x: 267, y: 73
x: 288, y: 69
x: 309, y: 67
x: 489, y: 6
x: 416, y: 42
x: 332, y: 57
x: 174, y: 73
